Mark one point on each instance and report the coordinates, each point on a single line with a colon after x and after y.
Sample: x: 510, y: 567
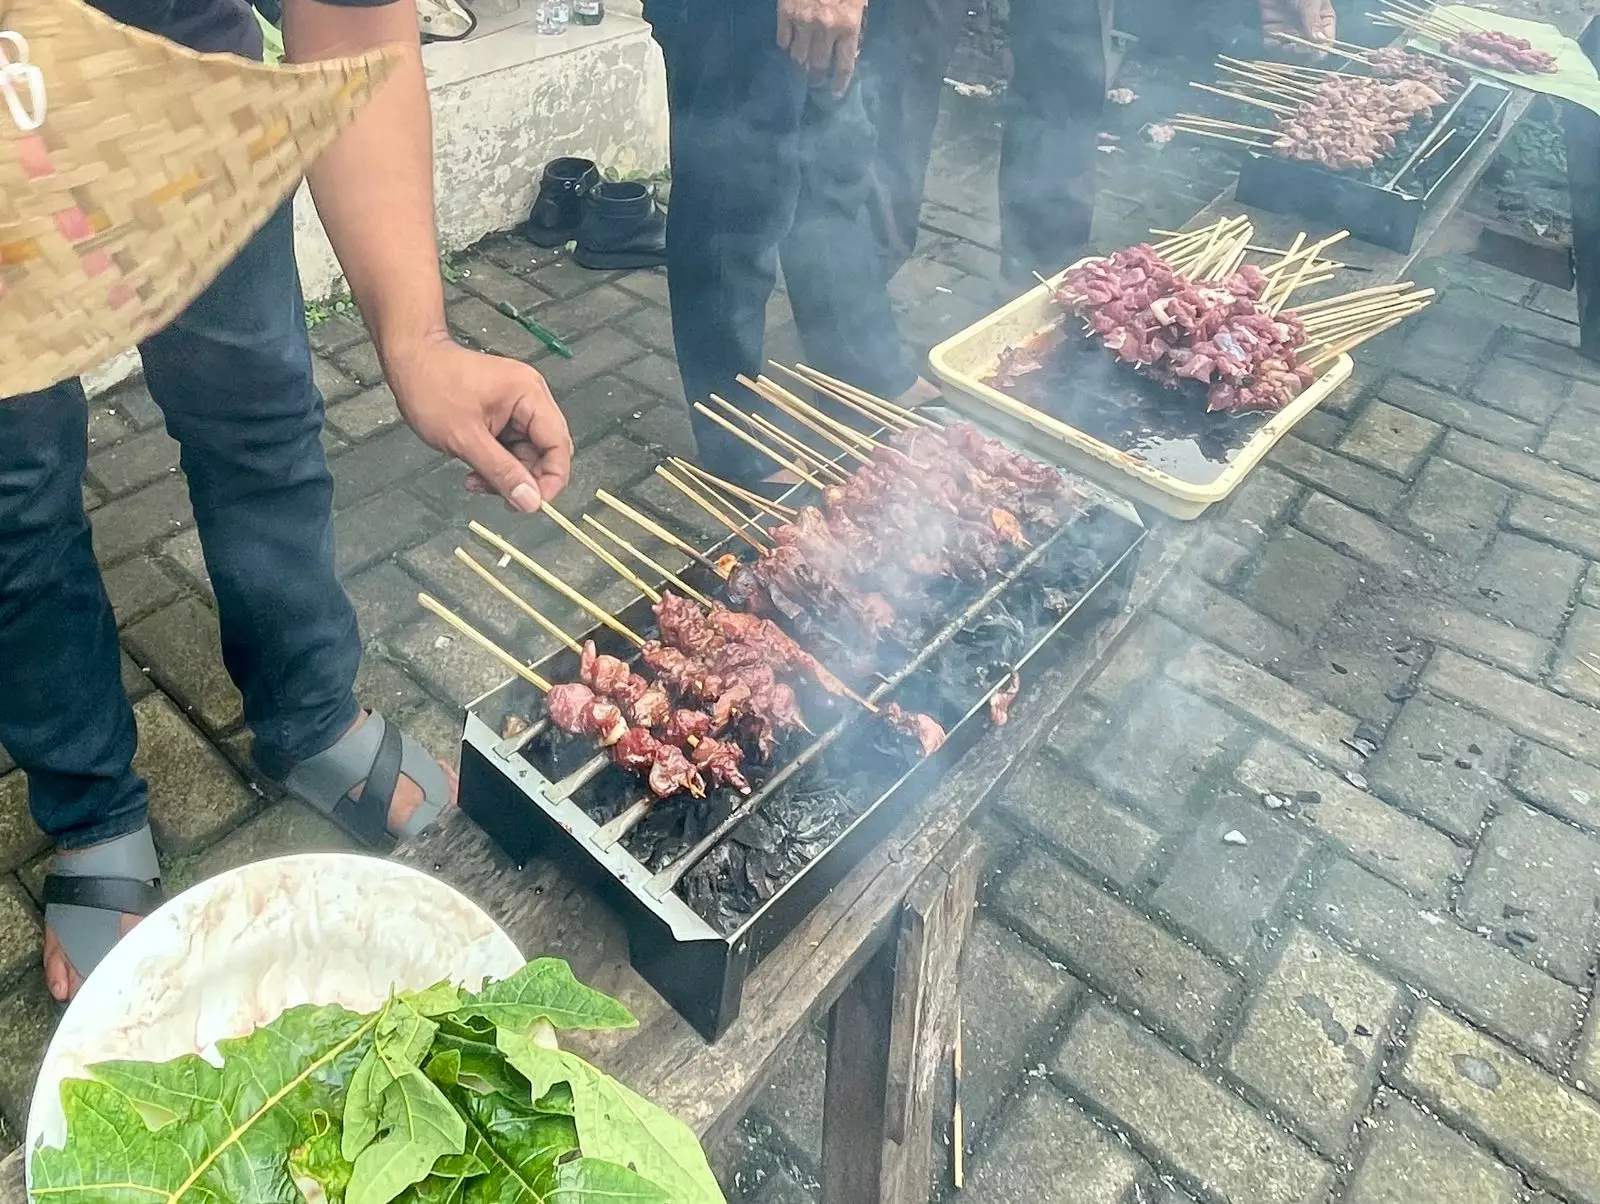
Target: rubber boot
x: 558, y: 211
x: 623, y: 228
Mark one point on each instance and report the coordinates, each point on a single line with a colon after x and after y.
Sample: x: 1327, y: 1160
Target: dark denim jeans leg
x: 233, y: 378
x: 64, y: 717
x: 746, y: 180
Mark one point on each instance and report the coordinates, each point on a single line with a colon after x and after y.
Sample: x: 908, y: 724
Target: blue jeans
x: 765, y: 169
x: 232, y: 376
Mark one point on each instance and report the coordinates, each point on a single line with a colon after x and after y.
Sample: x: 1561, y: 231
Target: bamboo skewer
x: 611, y: 562
x: 879, y: 420
x: 1347, y: 49
x: 712, y: 508
x: 554, y: 582
x: 872, y: 401
x: 667, y: 575
x: 1589, y: 665
x: 1294, y: 249
x: 1334, y: 352
x: 438, y: 608
x: 813, y: 419
x: 782, y: 438
x: 646, y: 523
x: 837, y: 440
x: 1241, y: 98
x: 758, y: 445
x: 1218, y: 123
x: 1218, y: 136
x: 711, y: 481
x: 772, y: 390
x: 516, y: 599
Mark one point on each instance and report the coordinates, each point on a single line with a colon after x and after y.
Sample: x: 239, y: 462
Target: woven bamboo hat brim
x: 153, y: 167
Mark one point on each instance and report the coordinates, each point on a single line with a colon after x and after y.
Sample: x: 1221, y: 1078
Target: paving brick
x: 486, y: 279
x: 134, y: 403
x: 21, y: 933
x: 1524, y: 472
x: 1493, y: 640
x: 1161, y: 748
x: 1443, y: 348
x: 434, y: 565
x: 1226, y: 894
x: 383, y: 597
x: 649, y: 285
x: 123, y: 526
x: 183, y: 550
x: 1313, y: 1037
x: 134, y: 462
x: 1355, y: 534
x: 449, y: 664
x: 369, y: 412
x: 664, y: 503
x: 1591, y: 587
x: 136, y: 587
x: 1150, y: 642
x: 1445, y: 272
x: 605, y: 350
x: 663, y: 430
x: 1390, y: 844
x: 1453, y: 411
x: 1321, y: 428
x: 336, y: 332
x: 1360, y: 486
x: 285, y: 827
x: 181, y: 646
x: 1557, y: 302
x: 1266, y: 699
x: 1216, y: 558
x: 1580, y: 649
x: 195, y: 795
x: 31, y: 1017
x: 1212, y: 1137
x: 135, y: 681
x: 1049, y: 1150
x: 1413, y: 1159
x: 361, y: 364
x: 486, y: 328
x: 1360, y: 664
x: 1573, y: 441
x: 597, y: 406
x: 1559, y: 360
x: 334, y: 385
x: 1300, y: 582
x: 1525, y: 708
x: 373, y: 528
x: 1535, y: 876
x: 380, y: 462
x: 659, y: 374
x: 1226, y: 621
x: 1011, y: 1003
x: 1392, y: 439
x: 20, y: 837
x: 792, y: 1101
x: 1427, y: 765
x: 1261, y: 502
x: 1529, y: 583
x: 1044, y: 799
x: 1428, y: 949
x: 1530, y: 1117
x: 1559, y: 784
x: 602, y: 305
x: 564, y: 279
x: 1555, y: 524
x: 1114, y: 948
x: 106, y: 426
x: 1456, y: 510
x: 381, y: 685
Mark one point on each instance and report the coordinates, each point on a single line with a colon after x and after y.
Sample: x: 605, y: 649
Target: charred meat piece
x: 1000, y: 701
x: 686, y: 725
x: 652, y: 708
x: 664, y: 766
x: 609, y: 676
x: 924, y: 729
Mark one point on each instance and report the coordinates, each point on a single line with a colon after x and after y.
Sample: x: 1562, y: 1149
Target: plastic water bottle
x: 588, y: 12
x: 553, y: 16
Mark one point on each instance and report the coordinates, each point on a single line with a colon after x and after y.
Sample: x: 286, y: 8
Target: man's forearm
x: 374, y: 186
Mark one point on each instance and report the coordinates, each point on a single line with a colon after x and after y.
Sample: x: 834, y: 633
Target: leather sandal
x: 89, y: 891
x: 379, y: 754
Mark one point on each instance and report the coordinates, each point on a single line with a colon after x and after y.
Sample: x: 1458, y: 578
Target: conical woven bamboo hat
x: 153, y: 167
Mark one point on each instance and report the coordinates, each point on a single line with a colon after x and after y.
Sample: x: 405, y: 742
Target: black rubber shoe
x: 558, y: 211
x: 623, y: 228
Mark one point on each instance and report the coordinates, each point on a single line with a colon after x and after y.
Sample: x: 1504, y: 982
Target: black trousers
x: 766, y: 169
x: 1052, y: 112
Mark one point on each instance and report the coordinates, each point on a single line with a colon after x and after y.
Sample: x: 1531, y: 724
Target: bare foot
x: 919, y: 394
x: 408, y: 795
x: 60, y: 975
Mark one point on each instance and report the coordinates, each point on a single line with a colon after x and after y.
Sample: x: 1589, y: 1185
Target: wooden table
x: 881, y: 955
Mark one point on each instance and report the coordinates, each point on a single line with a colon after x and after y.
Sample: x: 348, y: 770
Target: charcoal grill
x: 699, y: 962
x: 1389, y: 209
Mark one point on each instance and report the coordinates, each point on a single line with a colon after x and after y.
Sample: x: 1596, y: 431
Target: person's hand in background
x: 823, y: 37
x: 1313, y: 20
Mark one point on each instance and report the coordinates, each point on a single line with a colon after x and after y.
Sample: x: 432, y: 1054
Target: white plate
x: 236, y: 951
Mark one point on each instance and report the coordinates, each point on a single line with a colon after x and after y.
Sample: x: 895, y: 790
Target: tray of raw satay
x: 1167, y: 371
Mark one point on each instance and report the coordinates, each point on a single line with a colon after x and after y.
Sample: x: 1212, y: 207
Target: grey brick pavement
x: 1298, y: 902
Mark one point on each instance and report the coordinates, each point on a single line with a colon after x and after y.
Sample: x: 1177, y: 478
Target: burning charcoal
x: 1057, y: 601
x: 1307, y: 798
x: 1463, y: 763
x: 1434, y: 757
x: 1475, y: 750
x: 514, y: 725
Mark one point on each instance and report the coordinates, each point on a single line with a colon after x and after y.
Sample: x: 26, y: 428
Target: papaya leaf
x: 402, y: 1040
x: 618, y: 1125
x: 438, y: 1000
x: 233, y: 1138
x: 557, y: 1101
x: 318, y: 1165
x: 518, y: 1147
x: 480, y: 1068
x: 594, y: 1181
x: 544, y: 989
x: 448, y: 1183
x: 420, y: 1126
x: 162, y: 1092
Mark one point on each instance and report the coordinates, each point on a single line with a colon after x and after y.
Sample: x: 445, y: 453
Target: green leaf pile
x: 440, y: 1097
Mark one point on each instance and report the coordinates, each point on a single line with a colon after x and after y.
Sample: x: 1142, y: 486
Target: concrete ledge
x: 505, y: 102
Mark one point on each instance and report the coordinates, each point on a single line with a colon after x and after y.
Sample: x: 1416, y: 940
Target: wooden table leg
x: 888, y: 1037
x: 1582, y: 130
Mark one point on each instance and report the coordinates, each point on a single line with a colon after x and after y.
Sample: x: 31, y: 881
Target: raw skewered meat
x: 575, y: 709
x: 664, y: 766
x: 1171, y: 329
x: 921, y: 728
x: 1395, y: 62
x: 1500, y: 52
x: 721, y: 760
x: 1352, y: 122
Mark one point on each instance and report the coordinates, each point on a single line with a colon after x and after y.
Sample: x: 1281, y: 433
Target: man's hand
x: 1313, y: 20
x: 823, y: 37
x: 496, y: 414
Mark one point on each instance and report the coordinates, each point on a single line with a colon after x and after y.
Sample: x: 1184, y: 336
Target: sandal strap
x: 379, y: 754
x: 125, y: 896
x: 368, y: 815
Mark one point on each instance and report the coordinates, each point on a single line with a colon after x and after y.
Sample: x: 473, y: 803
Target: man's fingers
x: 845, y: 56
x: 800, y: 45
x: 786, y: 29
x: 503, y: 472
